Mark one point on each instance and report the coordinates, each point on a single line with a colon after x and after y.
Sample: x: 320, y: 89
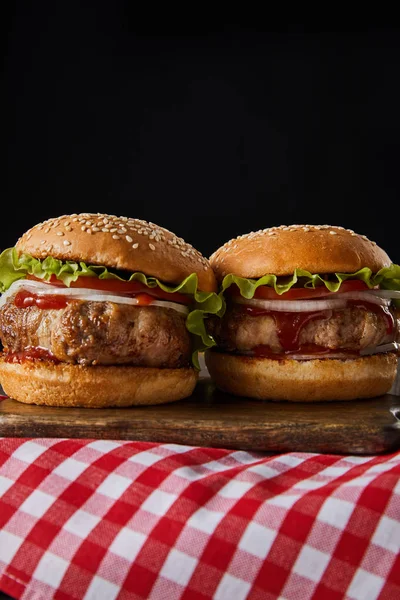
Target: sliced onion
x: 334, y: 355
x: 40, y: 287
x: 43, y: 289
x: 173, y: 305
x: 314, y: 304
x: 392, y: 347
x: 293, y: 305
x: 383, y: 293
x: 373, y: 296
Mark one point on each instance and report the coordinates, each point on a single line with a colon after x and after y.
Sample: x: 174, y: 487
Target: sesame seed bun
x: 118, y: 243
x: 122, y: 244
x: 280, y: 250
x: 45, y: 383
x: 302, y: 381
x: 320, y: 249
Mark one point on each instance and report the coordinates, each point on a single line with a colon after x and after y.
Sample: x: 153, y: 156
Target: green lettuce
x: 387, y: 278
x: 14, y: 266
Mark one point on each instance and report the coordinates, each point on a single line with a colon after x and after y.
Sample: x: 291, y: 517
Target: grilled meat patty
x: 99, y: 333
x: 350, y: 328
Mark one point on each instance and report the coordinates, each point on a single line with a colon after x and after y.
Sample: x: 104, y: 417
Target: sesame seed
x: 42, y: 241
x: 333, y: 232
x: 123, y: 228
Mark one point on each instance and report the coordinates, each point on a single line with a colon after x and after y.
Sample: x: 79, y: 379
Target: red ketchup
x: 290, y: 324
x: 144, y: 299
x: 24, y: 299
x: 30, y: 353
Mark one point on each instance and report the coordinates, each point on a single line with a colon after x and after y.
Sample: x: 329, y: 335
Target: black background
x: 211, y: 127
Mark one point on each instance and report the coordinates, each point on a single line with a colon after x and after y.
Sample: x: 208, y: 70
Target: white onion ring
x: 43, y: 289
x: 392, y: 347
x: 312, y: 305
x: 371, y: 295
x: 394, y: 294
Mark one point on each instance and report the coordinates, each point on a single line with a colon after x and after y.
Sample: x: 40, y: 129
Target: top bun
x: 281, y: 250
x: 118, y: 243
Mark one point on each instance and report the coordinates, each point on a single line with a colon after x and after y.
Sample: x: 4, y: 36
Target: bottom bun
x: 62, y: 384
x: 302, y: 381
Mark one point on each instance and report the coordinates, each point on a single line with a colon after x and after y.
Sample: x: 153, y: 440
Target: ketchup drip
x: 24, y: 299
x: 30, y: 353
x: 290, y: 324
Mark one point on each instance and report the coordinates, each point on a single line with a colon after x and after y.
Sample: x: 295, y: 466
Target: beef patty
x: 351, y: 328
x: 99, y: 333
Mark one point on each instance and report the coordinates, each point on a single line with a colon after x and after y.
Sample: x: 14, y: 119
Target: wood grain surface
x: 212, y: 418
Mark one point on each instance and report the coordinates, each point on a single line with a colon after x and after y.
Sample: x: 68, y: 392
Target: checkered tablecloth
x: 87, y: 519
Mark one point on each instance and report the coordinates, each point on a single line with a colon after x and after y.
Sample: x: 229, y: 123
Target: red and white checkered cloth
x: 94, y: 520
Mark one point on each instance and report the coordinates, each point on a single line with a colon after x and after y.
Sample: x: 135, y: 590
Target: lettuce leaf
x: 386, y: 278
x: 14, y: 266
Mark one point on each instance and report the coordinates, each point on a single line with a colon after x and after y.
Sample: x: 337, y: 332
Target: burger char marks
x: 352, y: 328
x: 98, y: 333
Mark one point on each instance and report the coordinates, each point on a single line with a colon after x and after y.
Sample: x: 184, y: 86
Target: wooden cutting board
x: 212, y: 418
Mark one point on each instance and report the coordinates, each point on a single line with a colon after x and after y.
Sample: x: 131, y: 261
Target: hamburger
x: 99, y: 310
x: 310, y: 314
